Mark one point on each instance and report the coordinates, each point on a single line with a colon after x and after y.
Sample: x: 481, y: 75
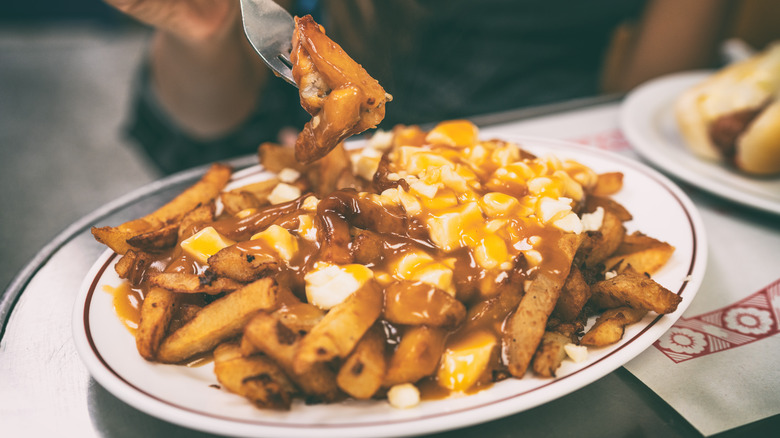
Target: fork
x: 269, y: 28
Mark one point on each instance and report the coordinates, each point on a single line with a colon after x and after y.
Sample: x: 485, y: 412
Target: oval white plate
x: 647, y: 120
x: 186, y: 396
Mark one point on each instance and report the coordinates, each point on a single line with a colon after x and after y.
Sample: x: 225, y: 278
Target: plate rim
x: 493, y: 409
x: 644, y: 100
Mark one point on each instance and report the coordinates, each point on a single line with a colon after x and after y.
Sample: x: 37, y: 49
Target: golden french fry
x: 574, y: 294
x: 260, y: 190
x: 328, y: 170
x: 601, y: 244
x: 167, y: 216
x: 218, y: 321
x: 610, y: 326
x: 192, y: 283
x: 416, y: 356
x: 256, y: 378
x: 550, y: 354
x: 362, y: 373
x: 201, y: 193
x: 183, y: 314
x: 156, y: 240
x: 629, y: 288
x: 341, y: 328
x: 233, y: 263
x: 113, y: 238
x: 194, y: 220
x: 134, y: 266
x: 280, y: 343
x: 415, y: 303
x: 299, y: 317
x: 641, y: 252
x: 526, y: 326
x: 236, y: 201
x: 608, y: 184
x: 276, y: 157
x: 592, y: 202
x: 156, y: 313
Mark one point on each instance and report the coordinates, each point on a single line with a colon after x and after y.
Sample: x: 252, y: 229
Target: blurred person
x: 204, y: 94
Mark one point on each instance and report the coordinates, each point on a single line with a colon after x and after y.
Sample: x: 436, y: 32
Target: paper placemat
x: 718, y: 365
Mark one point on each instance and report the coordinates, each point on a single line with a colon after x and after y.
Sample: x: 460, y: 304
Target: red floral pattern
x: 609, y: 140
x: 743, y: 322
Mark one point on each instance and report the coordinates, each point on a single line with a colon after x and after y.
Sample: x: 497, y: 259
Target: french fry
x: 601, y: 244
x: 574, y: 295
x: 184, y: 313
x: 167, y: 216
x: 641, y: 252
x: 218, y: 321
x: 275, y: 157
x: 592, y: 202
x: 610, y: 326
x: 193, y: 220
x: 415, y: 303
x: 341, y: 328
x: 525, y: 327
x: 156, y: 312
x: 114, y: 238
x: 260, y: 190
x: 280, y: 343
x: 550, y: 354
x: 416, y: 356
x: 328, y: 170
x: 256, y: 378
x: 202, y: 192
x: 156, y: 240
x: 181, y: 282
x: 608, y: 184
x: 362, y: 373
x: 237, y: 201
x: 299, y: 317
x: 233, y: 263
x: 635, y: 290
x: 134, y: 266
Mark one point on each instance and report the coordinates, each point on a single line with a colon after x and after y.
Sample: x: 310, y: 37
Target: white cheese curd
x: 403, y: 396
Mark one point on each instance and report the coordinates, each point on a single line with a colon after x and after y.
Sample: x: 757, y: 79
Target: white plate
x: 647, y: 120
x: 185, y: 396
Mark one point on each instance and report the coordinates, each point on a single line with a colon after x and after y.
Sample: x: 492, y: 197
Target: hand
x: 204, y: 72
x: 195, y: 21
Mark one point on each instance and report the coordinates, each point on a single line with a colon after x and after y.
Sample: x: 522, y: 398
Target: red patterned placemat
x: 751, y: 319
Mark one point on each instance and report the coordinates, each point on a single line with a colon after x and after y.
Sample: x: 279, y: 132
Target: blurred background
x: 66, y: 75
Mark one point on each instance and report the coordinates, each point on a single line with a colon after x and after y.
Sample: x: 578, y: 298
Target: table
x: 45, y: 389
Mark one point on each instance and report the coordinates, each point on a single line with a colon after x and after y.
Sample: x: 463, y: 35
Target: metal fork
x: 269, y: 28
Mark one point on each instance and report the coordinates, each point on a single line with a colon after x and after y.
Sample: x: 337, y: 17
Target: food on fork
x: 341, y: 97
x: 734, y: 115
x: 435, y: 263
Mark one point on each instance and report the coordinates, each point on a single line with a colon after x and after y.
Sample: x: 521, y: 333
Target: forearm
x: 207, y: 87
x: 675, y: 36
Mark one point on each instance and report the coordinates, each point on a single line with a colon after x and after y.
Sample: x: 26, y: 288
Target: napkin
x: 717, y: 366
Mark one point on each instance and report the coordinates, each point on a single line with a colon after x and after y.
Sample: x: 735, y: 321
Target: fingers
x: 190, y: 20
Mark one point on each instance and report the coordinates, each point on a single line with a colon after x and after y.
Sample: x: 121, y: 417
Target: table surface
x: 46, y: 389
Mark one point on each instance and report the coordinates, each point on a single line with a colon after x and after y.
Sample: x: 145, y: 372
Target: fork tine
x: 285, y: 57
x: 269, y: 28
x: 281, y: 67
